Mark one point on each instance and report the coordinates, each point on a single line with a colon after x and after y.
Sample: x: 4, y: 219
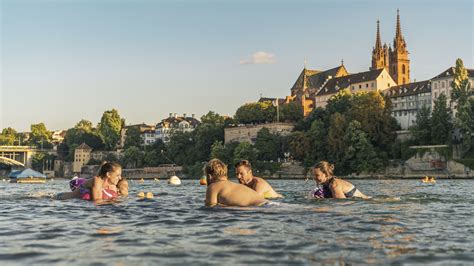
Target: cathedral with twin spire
x: 393, y: 58
x: 390, y: 67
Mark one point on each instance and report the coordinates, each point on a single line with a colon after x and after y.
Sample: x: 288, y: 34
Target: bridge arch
x: 8, y: 161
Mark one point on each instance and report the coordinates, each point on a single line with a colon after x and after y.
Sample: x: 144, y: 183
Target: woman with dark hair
x: 108, y: 184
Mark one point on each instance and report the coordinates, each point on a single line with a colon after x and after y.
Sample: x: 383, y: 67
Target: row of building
x: 389, y: 73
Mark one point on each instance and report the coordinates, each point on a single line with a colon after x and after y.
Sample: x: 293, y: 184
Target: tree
x: 133, y: 138
x: 299, y: 145
x: 212, y: 118
x: 244, y: 151
x: 260, y: 112
x: 8, y: 136
x: 318, y: 138
x: 40, y: 136
x: 223, y: 152
x: 421, y: 131
x: 336, y: 132
x: 460, y: 84
x: 133, y: 158
x: 291, y: 112
x: 267, y: 145
x: 441, y: 122
x: 360, y: 153
x: 109, y: 128
x: 462, y: 96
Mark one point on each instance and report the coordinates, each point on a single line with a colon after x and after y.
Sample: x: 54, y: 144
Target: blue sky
x: 63, y: 61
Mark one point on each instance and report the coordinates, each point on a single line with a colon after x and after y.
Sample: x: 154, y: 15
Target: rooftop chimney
x: 171, y: 115
x: 175, y: 115
x: 184, y: 115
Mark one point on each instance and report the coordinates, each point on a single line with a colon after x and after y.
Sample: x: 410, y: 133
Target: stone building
x: 407, y: 100
x: 368, y: 81
x: 441, y: 84
x: 248, y: 133
x: 175, y: 123
x: 82, y: 155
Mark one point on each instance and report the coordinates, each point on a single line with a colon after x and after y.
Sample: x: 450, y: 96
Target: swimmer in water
x: 108, y: 184
x: 222, y: 192
x: 330, y: 186
x: 243, y: 172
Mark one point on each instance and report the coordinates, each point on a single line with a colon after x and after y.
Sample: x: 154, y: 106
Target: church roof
x: 336, y: 84
x: 315, y: 78
x: 409, y: 89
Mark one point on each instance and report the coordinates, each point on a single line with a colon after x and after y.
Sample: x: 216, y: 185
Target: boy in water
x: 221, y: 191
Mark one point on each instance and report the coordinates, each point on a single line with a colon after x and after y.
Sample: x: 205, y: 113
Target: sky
x: 63, y: 61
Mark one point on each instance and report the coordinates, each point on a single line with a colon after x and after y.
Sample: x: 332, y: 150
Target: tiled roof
x: 450, y: 72
x: 315, y: 78
x: 84, y: 146
x: 336, y: 84
x: 174, y: 121
x: 409, y: 89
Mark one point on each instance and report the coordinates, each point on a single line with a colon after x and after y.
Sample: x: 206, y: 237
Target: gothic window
x: 403, y: 69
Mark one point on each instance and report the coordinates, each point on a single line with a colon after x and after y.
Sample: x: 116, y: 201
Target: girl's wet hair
x: 108, y: 167
x: 325, y: 167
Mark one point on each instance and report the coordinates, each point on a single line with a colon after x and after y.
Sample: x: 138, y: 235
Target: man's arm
x: 211, y: 197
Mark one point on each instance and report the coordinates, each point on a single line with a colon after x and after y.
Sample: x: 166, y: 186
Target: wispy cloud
x: 259, y: 58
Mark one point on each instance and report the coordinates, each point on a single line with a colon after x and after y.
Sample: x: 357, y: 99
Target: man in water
x: 221, y: 191
x: 243, y: 171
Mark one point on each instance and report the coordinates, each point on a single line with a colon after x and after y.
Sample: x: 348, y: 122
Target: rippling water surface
x: 407, y: 222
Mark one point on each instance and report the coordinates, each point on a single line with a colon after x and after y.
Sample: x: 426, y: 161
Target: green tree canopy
x: 133, y: 138
x: 441, y: 121
x: 267, y: 145
x: 109, y: 128
x: 8, y: 136
x: 40, y: 136
x: 291, y: 112
x: 260, y: 112
x: 421, y: 131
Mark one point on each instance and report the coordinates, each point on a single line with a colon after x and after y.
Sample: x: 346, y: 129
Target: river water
x: 407, y: 222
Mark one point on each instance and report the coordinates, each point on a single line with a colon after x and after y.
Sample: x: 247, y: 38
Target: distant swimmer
x: 243, y: 172
x: 329, y: 186
x: 108, y: 184
x: 222, y: 192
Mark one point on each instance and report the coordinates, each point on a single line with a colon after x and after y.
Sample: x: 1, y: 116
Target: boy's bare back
x: 227, y: 193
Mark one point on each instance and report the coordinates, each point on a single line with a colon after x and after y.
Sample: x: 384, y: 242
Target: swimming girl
x: 108, y: 184
x: 329, y: 186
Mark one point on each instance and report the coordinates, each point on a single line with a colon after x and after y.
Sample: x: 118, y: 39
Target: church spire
x: 398, y: 34
x: 378, y: 42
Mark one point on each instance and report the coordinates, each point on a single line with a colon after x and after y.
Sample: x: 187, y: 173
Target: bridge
x: 17, y: 155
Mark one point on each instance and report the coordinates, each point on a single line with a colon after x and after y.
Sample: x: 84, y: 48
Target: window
x: 404, y: 81
x: 372, y: 85
x: 403, y: 105
x: 360, y: 86
x: 388, y: 85
x: 403, y: 71
x: 352, y: 87
x: 436, y: 85
x: 442, y: 84
x: 367, y: 85
x: 395, y: 105
x: 436, y: 95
